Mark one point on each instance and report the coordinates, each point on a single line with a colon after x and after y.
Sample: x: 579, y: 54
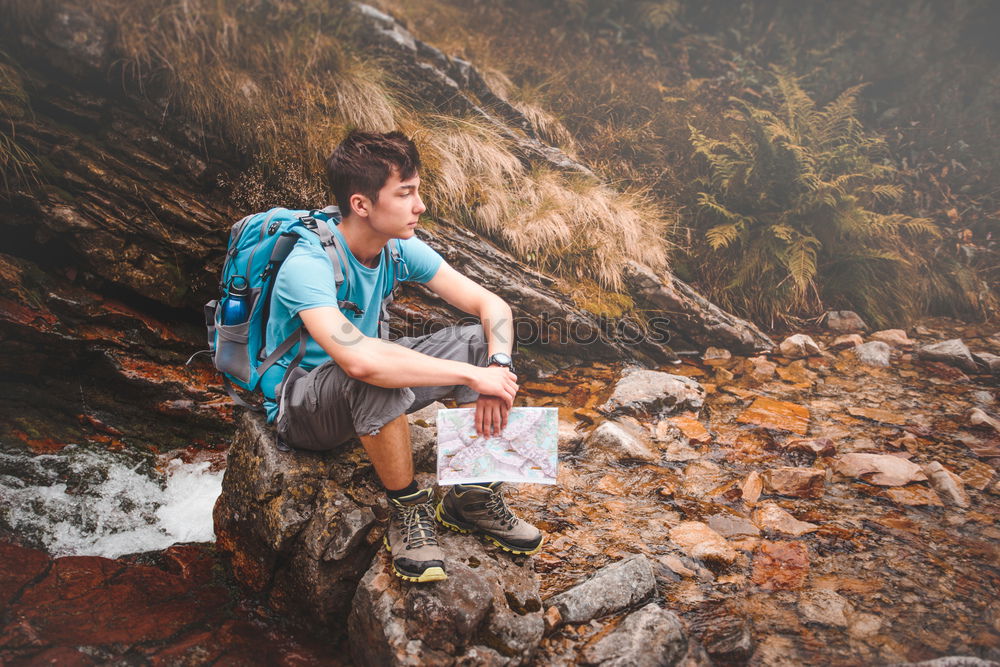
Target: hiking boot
x: 482, y: 508
x: 411, y: 538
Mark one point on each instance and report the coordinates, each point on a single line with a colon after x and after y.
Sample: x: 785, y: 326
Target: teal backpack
x: 258, y: 245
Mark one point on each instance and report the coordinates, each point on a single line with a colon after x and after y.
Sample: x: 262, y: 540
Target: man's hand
x: 491, y: 416
x: 495, y: 381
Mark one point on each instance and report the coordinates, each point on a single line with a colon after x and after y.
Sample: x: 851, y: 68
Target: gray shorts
x: 324, y: 408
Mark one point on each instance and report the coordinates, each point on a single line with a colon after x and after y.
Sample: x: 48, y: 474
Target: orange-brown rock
x: 780, y: 565
x: 795, y: 482
x: 777, y: 415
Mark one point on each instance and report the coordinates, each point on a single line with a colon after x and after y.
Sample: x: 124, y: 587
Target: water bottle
x: 236, y: 307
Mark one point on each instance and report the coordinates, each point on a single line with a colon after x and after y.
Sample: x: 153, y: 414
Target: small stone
x: 701, y: 542
x: 609, y: 590
x: 864, y: 625
x: 817, y: 447
x: 701, y: 478
x: 795, y: 482
x: 553, y: 619
x: 798, y: 346
x: 777, y: 415
x: 728, y: 525
x: 875, y: 353
x: 843, y: 321
x: 649, y: 637
x: 676, y: 565
x: 881, y: 469
x: 780, y: 565
x: 761, y: 368
x: 826, y: 607
x: 952, y: 352
x: 877, y: 415
x: 983, y: 398
x: 752, y: 487
x: 771, y: 518
x: 692, y: 429
x: 621, y: 440
x: 979, y: 417
x: 913, y: 495
x: 948, y: 485
x: 716, y: 356
x: 892, y: 337
x: 846, y: 341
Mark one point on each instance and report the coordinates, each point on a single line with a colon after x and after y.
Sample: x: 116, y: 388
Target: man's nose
x: 419, y: 208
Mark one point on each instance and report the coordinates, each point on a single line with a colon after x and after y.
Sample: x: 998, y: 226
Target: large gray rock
x: 648, y: 637
x: 611, y: 589
x: 488, y: 611
x: 952, y: 352
x: 874, y: 353
x: 299, y: 528
x: 646, y: 392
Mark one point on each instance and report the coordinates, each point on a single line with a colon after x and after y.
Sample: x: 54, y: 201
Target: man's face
x: 398, y: 208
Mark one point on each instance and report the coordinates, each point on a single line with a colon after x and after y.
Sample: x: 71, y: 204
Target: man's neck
x: 364, y: 243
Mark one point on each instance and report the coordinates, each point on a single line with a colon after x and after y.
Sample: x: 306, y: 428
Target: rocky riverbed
x: 814, y: 509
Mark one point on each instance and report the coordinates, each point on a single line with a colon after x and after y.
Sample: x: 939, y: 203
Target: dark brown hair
x: 363, y: 162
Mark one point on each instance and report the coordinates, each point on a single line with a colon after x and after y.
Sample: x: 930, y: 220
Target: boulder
x: 298, y: 528
x: 648, y: 637
x: 795, y: 482
x: 621, y: 440
x: 892, y: 337
x: 875, y: 353
x: 952, y: 352
x: 488, y: 610
x: 650, y: 392
x: 798, y: 345
x: 843, y: 321
x: 609, y: 590
x: 881, y: 469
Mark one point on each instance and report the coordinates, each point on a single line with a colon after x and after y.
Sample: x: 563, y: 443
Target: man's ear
x: 360, y: 205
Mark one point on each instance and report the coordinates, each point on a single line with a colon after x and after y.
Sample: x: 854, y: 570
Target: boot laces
x: 496, y: 504
x: 418, y: 525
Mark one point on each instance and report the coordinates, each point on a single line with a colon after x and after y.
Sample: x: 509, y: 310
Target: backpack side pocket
x: 232, y: 348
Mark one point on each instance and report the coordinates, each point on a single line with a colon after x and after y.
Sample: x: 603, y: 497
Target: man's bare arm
x: 385, y: 364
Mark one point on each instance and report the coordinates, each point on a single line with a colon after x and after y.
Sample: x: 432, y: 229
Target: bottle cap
x: 238, y: 286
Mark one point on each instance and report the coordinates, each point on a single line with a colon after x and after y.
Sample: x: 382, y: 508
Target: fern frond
x: 721, y: 236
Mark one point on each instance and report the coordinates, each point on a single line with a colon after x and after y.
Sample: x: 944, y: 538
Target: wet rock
x: 610, y: 589
x: 952, y: 352
x: 701, y: 542
x: 701, y: 478
x: 761, y: 368
x: 691, y: 428
x: 881, y: 469
x: 892, y: 337
x: 819, y: 605
x: 815, y: 447
x: 622, y: 440
x: 844, y: 321
x: 771, y: 518
x: 730, y: 525
x: 979, y: 417
x: 877, y: 415
x: 875, y: 353
x: 912, y: 495
x: 990, y: 362
x: 847, y: 340
x: 19, y: 566
x: 650, y: 392
x: 978, y: 475
x: 299, y: 527
x: 752, y: 487
x: 948, y: 485
x: 797, y: 346
x: 488, y: 606
x: 864, y: 625
x: 983, y: 398
x: 685, y: 567
x: 648, y: 637
x: 725, y: 635
x: 795, y: 482
x: 780, y: 565
x: 716, y: 356
x: 777, y: 415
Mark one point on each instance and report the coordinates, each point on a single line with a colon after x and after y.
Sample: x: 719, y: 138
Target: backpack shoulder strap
x: 338, y: 257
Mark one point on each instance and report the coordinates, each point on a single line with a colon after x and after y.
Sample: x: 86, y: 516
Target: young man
x: 354, y: 384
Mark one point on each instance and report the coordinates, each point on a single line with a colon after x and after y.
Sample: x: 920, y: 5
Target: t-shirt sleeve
x: 422, y: 261
x: 305, y: 281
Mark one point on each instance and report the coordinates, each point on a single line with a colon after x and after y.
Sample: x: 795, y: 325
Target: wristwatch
x: 501, y: 359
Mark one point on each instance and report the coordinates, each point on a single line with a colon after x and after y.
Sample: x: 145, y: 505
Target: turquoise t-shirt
x: 306, y: 281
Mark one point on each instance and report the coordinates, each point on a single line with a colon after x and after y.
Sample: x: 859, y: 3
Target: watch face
x: 501, y: 358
